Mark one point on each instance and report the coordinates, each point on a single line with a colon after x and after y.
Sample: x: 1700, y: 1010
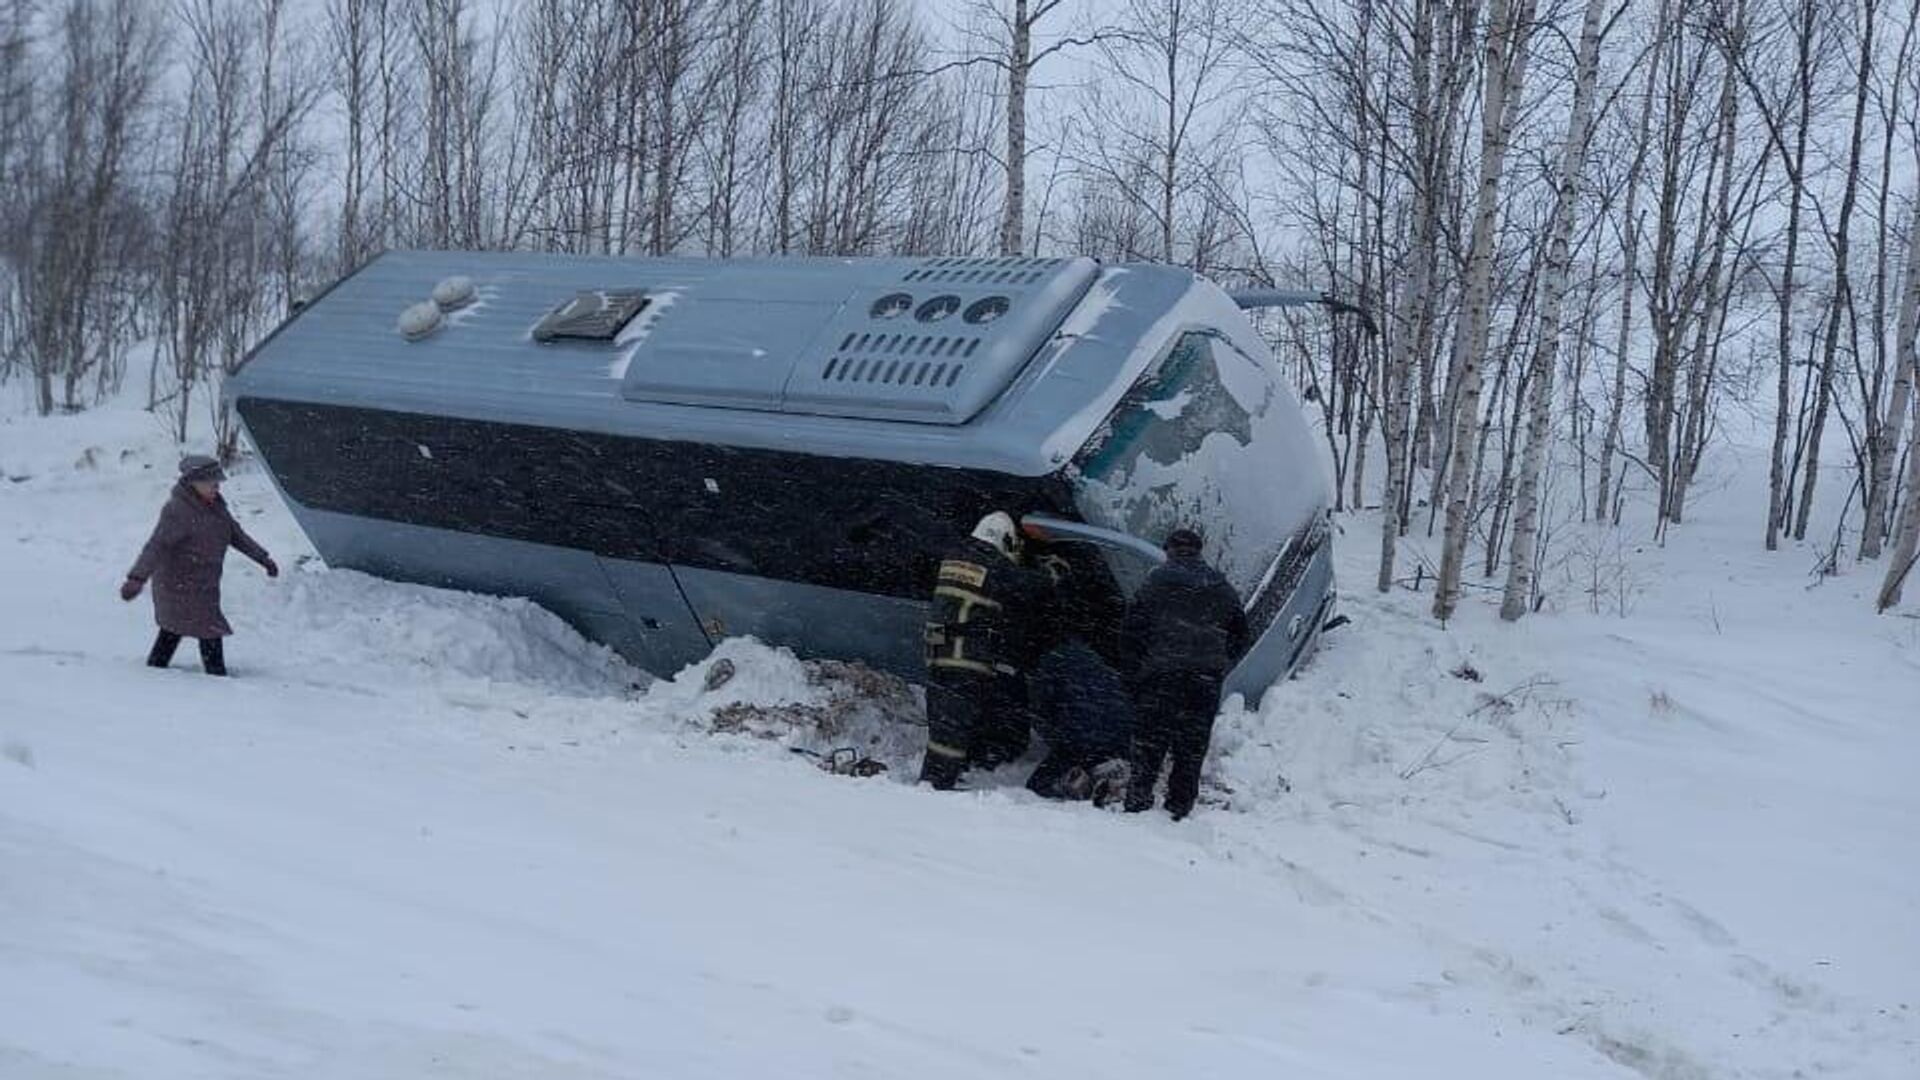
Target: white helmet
x: 998, y: 529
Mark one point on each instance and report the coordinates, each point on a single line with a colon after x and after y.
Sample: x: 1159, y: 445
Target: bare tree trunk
x: 1510, y: 24
x: 347, y: 20
x: 1609, y: 441
x: 1842, y: 276
x: 669, y: 61
x: 1579, y: 409
x: 1884, y: 431
x: 1899, y: 401
x: 1398, y: 369
x: 788, y: 38
x: 106, y: 61
x: 1779, y: 480
x: 1629, y: 282
x: 1170, y: 161
x: 1521, y: 563
x: 1711, y: 298
x: 1440, y: 389
x: 1668, y: 310
x: 1013, y: 227
x: 1906, y: 543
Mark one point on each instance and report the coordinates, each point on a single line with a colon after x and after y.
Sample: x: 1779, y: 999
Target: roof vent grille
x: 982, y: 271
x: 937, y: 342
x: 594, y: 315
x: 932, y: 361
x: 930, y: 374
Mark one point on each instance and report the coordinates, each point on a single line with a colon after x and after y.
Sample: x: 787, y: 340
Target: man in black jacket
x: 982, y: 633
x: 1184, y: 631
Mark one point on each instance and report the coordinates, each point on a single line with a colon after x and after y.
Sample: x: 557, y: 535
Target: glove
x: 129, y: 589
x: 272, y: 568
x: 1056, y: 567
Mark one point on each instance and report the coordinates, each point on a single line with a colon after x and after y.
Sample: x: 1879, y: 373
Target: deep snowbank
x: 426, y: 834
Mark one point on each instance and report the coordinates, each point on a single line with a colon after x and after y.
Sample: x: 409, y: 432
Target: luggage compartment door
x: 660, y: 630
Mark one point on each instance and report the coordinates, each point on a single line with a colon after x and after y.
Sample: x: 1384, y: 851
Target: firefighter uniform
x: 981, y: 633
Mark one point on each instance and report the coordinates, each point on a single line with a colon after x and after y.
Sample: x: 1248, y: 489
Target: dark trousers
x: 971, y: 720
x: 213, y: 656
x: 1174, y: 712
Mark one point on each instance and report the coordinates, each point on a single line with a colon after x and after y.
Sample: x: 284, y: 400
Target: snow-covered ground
x: 424, y: 834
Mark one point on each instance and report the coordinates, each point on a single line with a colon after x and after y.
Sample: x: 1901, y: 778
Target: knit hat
x: 198, y: 467
x: 1183, y: 542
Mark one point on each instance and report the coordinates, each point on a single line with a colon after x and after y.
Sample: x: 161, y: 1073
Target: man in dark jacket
x: 184, y: 558
x: 980, y: 638
x: 1184, y: 631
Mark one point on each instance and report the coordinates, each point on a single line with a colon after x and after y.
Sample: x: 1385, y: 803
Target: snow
x: 1084, y: 321
x: 1103, y: 297
x: 432, y: 834
x: 635, y: 333
x: 479, y: 303
x: 1172, y: 407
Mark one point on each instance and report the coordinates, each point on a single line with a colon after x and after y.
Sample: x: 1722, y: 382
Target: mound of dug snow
x: 845, y: 717
x: 344, y: 618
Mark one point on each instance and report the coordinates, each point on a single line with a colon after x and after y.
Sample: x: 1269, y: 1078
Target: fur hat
x: 195, y: 468
x: 1184, y: 541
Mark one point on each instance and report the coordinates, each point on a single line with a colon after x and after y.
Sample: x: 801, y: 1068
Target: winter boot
x: 162, y: 652
x: 942, y: 766
x: 1077, y: 784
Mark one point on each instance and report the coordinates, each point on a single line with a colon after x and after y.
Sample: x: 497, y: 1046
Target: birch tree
x: 1906, y: 542
x: 1521, y: 559
x: 351, y: 38
x: 1840, y: 238
x: 1900, y: 400
x: 1016, y: 23
x: 1884, y: 430
x: 1605, y: 496
x: 1788, y: 121
x: 1723, y: 206
x: 1436, y: 97
x: 1509, y: 28
x: 17, y: 112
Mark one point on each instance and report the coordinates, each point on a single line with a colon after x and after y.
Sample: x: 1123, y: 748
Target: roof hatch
x: 933, y: 341
x: 593, y: 315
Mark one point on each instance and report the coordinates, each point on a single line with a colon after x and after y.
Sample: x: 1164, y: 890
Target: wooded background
x: 1605, y: 239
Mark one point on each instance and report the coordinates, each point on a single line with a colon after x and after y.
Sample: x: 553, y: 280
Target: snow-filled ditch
x: 424, y: 833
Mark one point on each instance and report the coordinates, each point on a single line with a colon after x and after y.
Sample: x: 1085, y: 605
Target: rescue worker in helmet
x: 982, y: 631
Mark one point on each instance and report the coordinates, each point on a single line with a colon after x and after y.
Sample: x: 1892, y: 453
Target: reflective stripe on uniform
x: 967, y: 597
x: 962, y: 664
x: 966, y: 573
x: 944, y: 750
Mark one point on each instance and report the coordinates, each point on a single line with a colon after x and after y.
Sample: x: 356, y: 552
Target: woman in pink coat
x: 184, y: 559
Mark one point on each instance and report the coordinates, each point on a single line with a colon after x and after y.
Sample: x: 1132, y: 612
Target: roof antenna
x: 1268, y: 297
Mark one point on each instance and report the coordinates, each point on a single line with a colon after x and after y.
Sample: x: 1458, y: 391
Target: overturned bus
x: 669, y: 451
